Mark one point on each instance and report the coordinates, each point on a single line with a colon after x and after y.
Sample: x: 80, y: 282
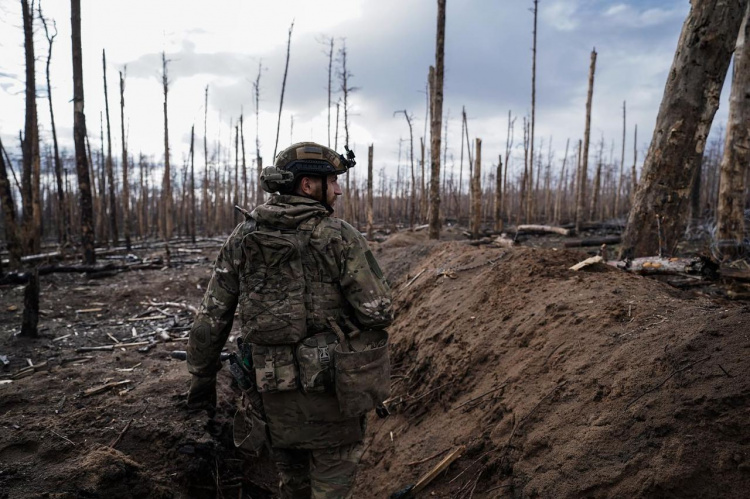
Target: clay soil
x: 556, y: 383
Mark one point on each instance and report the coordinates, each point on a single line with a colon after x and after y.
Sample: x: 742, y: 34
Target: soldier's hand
x: 202, y: 394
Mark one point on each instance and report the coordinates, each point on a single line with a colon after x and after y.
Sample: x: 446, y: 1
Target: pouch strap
x: 323, y: 355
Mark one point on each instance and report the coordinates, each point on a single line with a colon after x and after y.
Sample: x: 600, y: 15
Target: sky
x: 390, y: 46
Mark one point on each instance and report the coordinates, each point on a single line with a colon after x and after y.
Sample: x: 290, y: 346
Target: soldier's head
x: 308, y: 169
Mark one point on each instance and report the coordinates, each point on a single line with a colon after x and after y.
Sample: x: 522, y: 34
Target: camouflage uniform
x: 315, y: 446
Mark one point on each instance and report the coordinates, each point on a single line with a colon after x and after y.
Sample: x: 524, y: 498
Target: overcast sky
x: 390, y: 43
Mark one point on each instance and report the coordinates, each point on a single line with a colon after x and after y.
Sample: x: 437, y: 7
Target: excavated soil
x: 556, y: 383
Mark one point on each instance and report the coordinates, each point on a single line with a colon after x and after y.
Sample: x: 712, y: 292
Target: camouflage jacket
x: 295, y: 419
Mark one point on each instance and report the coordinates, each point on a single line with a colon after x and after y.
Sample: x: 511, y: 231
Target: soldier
x: 300, y: 277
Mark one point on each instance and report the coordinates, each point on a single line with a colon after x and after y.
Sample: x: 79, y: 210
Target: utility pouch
x: 363, y: 375
x: 275, y: 370
x: 315, y: 359
x: 249, y: 432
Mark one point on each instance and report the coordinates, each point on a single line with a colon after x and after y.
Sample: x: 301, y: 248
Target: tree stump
x: 31, y: 307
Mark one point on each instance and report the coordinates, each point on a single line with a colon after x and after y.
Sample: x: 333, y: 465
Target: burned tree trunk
x: 192, y: 184
x: 108, y: 162
x: 167, y: 182
x: 12, y: 240
x: 437, y: 115
x: 476, y: 190
x: 30, y: 178
x: 618, y: 192
x: 63, y: 226
x: 30, y: 318
x: 583, y: 173
x: 258, y: 159
x: 413, y: 200
x: 125, y: 182
x: 369, y: 192
x: 497, y: 214
x: 691, y: 98
x: 79, y: 137
x: 734, y: 164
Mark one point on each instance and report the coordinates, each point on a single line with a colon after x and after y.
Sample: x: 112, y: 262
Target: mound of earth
x: 558, y: 383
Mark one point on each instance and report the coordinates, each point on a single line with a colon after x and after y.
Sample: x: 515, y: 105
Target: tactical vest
x: 289, y: 283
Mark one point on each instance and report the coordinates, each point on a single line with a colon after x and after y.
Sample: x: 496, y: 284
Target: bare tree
x: 79, y: 137
x: 192, y: 183
x: 413, y: 201
x: 437, y: 115
x: 583, y: 173
x: 633, y: 174
x: 108, y: 161
x: 258, y: 158
x: 531, y: 198
x: 734, y: 163
x: 618, y: 192
x: 369, y: 191
x: 691, y: 97
x: 476, y: 190
x: 330, y: 72
x: 31, y: 174
x: 125, y: 182
x: 167, y: 179
x: 344, y: 76
x: 283, y: 88
x: 12, y: 239
x: 63, y: 226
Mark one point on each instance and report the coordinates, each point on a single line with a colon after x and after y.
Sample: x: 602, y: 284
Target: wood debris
x: 101, y: 389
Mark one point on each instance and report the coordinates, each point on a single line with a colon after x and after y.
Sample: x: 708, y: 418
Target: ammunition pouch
x: 315, y: 360
x: 275, y: 369
x: 363, y: 375
x: 249, y: 431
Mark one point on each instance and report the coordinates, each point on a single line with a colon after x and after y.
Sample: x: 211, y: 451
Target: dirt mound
x: 561, y: 383
x: 558, y: 384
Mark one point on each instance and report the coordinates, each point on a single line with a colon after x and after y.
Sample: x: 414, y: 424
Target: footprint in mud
x: 18, y: 451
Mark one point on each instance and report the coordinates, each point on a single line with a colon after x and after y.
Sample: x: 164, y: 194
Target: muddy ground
x: 557, y: 383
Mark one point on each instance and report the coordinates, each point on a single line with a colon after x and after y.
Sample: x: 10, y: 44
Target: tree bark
x: 734, y: 163
x: 31, y: 176
x: 79, y: 137
x: 108, y: 162
x: 64, y: 216
x: 435, y: 128
x: 691, y: 97
x: 476, y: 190
x: 369, y: 192
x: 618, y: 193
x: 167, y: 181
x: 125, y: 182
x: 583, y: 173
x: 12, y: 240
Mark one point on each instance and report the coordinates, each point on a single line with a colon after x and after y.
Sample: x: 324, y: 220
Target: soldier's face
x: 334, y: 189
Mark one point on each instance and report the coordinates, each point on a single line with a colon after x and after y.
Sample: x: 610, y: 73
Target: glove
x: 202, y: 394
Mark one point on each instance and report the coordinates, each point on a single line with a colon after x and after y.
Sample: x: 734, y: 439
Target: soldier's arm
x: 363, y: 282
x: 216, y: 313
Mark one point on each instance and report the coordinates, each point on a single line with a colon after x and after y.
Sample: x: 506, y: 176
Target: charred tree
x: 12, y: 239
x: 30, y: 318
x: 497, y: 213
x: 734, y: 163
x: 63, y: 226
x: 344, y: 76
x: 283, y: 88
x: 531, y: 208
x: 583, y: 173
x: 618, y: 192
x: 435, y: 126
x: 192, y: 183
x: 369, y: 191
x: 108, y: 161
x: 244, y: 163
x: 330, y: 73
x: 476, y: 190
x: 167, y: 181
x: 413, y: 200
x: 125, y: 182
x: 206, y: 213
x: 691, y: 97
x: 258, y: 159
x: 79, y: 137
x: 31, y: 174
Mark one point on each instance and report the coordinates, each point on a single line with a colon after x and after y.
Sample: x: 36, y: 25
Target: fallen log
x: 542, y: 229
x: 589, y: 261
x: 654, y: 265
x: 594, y: 241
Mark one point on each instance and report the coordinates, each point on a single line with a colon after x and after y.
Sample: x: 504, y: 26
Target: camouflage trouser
x: 319, y: 473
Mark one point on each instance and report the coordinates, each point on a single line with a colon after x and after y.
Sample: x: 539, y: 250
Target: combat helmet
x: 301, y: 159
